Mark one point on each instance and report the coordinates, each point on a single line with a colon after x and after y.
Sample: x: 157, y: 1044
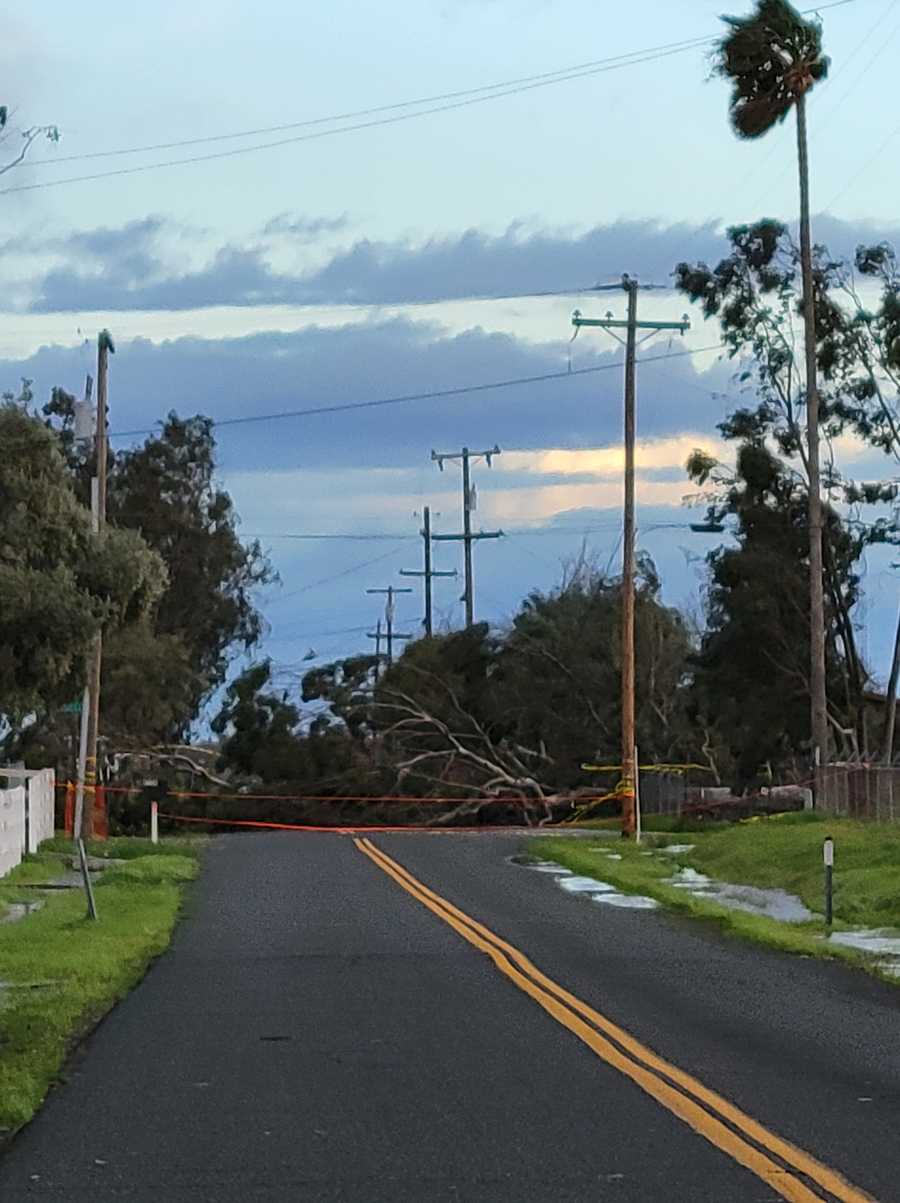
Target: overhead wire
x: 560, y: 74
x: 487, y: 93
x: 354, y: 127
x: 429, y: 395
x: 337, y: 575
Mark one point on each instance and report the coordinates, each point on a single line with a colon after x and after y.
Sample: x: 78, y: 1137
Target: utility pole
x: 469, y: 504
x: 391, y: 634
x: 428, y: 572
x: 631, y: 326
x: 377, y: 647
x: 88, y: 781
x: 86, y: 432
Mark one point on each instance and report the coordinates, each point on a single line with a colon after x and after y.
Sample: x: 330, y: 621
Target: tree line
x: 479, y: 712
x: 483, y: 714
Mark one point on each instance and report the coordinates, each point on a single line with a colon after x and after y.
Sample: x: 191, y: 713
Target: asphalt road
x: 322, y: 1029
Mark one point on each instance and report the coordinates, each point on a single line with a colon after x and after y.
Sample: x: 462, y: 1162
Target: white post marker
x: 828, y: 858
x: 154, y: 822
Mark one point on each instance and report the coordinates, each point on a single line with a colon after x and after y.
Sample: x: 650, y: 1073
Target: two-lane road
x: 415, y: 1018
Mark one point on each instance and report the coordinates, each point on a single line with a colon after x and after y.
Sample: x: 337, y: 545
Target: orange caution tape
x: 339, y: 830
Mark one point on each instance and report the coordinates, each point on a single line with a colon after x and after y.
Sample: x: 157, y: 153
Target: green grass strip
x: 61, y: 972
x: 770, y: 853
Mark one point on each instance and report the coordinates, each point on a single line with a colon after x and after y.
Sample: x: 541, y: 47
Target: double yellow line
x: 707, y: 1113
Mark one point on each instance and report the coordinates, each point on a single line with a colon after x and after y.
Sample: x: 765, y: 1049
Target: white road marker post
x: 154, y: 822
x: 828, y: 857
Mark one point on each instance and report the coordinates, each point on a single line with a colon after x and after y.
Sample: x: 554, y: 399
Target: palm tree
x: 773, y: 58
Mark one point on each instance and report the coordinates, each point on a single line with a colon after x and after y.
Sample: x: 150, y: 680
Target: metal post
x: 828, y: 857
x: 82, y: 764
x: 86, y: 877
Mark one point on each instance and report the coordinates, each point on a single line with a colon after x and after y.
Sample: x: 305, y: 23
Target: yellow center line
x: 645, y: 1067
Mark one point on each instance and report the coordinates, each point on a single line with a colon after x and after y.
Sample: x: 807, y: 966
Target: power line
x: 548, y: 77
x: 326, y: 580
x: 496, y: 92
x: 876, y: 154
x: 354, y: 538
x: 299, y: 636
x: 431, y: 395
x: 327, y: 133
x: 559, y: 75
x: 385, y: 535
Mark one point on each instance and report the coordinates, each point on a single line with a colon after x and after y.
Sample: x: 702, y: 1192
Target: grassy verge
x: 784, y: 852
x: 787, y: 852
x: 33, y: 871
x: 61, y: 973
x: 127, y: 847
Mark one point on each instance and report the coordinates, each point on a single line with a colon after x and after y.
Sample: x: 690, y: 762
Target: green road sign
x: 71, y: 707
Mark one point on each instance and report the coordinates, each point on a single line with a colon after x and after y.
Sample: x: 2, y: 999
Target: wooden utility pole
x: 428, y: 573
x: 390, y: 633
x: 98, y: 510
x: 377, y: 638
x: 629, y: 802
x: 469, y: 502
x: 631, y: 326
x: 86, y: 432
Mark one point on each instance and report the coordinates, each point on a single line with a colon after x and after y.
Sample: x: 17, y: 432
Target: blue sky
x: 295, y: 276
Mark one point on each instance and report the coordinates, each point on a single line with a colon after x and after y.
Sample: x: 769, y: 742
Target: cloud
x: 128, y: 269
x: 303, y: 228
x: 277, y: 372
x: 654, y: 454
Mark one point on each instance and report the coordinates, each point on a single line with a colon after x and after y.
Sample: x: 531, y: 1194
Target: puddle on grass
x: 596, y: 891
x: 881, y: 943
x: 772, y: 904
x: 18, y: 910
x: 628, y: 902
x: 586, y: 885
x: 688, y: 879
